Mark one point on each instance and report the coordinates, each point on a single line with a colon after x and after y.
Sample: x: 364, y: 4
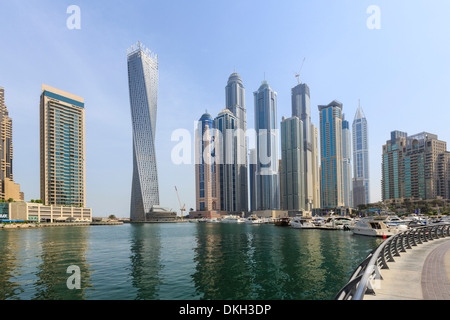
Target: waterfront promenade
x: 420, y: 273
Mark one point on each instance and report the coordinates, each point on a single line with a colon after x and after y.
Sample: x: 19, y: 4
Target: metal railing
x: 361, y: 281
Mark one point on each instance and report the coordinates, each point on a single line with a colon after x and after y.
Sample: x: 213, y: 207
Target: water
x: 185, y: 261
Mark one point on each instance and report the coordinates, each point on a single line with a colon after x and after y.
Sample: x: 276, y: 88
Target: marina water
x: 180, y: 261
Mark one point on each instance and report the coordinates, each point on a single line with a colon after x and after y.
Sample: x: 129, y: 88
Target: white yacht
x: 254, y: 220
x: 302, y: 223
x: 374, y: 227
x: 318, y: 221
x: 232, y: 219
x: 337, y: 222
x: 393, y: 220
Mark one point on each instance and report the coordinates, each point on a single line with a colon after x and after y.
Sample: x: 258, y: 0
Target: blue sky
x: 400, y: 72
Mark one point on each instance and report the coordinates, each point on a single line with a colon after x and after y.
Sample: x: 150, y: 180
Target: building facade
x: 332, y: 194
x: 292, y: 178
x: 206, y: 172
x: 300, y: 96
x: 37, y: 212
x: 266, y: 127
x: 252, y: 179
x: 414, y: 167
x: 143, y: 90
x: 62, y: 148
x: 8, y: 188
x: 235, y: 102
x: 360, y: 137
x: 315, y: 166
x: 346, y: 164
x: 226, y: 156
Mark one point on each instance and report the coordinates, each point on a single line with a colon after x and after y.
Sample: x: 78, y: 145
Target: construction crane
x: 182, y: 208
x: 297, y: 75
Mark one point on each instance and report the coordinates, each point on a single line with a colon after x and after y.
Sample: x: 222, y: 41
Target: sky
x: 400, y: 72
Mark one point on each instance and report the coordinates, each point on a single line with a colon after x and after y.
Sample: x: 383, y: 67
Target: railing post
x: 395, y: 246
x: 406, y: 237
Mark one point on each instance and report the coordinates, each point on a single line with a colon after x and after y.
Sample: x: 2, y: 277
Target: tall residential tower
x: 361, y: 191
x: 143, y: 89
x: 300, y: 96
x: 346, y: 164
x: 62, y: 135
x: 235, y: 102
x: 332, y: 194
x: 206, y: 175
x: 266, y: 127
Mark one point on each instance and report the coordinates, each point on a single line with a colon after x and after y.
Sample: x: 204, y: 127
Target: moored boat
x: 254, y: 220
x: 374, y: 227
x: 232, y: 219
x: 302, y: 223
x: 282, y: 222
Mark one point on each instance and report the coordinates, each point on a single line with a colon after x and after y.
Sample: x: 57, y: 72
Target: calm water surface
x: 185, y: 261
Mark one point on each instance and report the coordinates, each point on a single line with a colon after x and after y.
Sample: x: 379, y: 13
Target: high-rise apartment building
x: 62, y: 136
x: 292, y: 178
x: 235, y: 102
x: 8, y: 188
x: 143, y: 90
x: 315, y: 166
x: 414, y: 167
x: 300, y: 96
x: 346, y: 164
x: 332, y: 194
x: 266, y: 127
x: 206, y: 170
x: 225, y: 141
x: 361, y: 190
x: 252, y: 178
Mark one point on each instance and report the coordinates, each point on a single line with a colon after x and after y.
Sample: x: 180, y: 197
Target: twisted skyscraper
x: 143, y: 87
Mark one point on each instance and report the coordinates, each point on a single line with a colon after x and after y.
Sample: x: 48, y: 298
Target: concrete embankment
x: 57, y: 224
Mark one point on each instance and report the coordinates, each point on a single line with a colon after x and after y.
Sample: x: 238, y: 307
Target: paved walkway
x: 420, y: 273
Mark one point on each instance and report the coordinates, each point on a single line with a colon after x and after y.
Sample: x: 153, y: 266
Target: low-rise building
x: 38, y: 212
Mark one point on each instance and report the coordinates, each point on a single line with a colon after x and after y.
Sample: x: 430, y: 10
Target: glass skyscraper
x: 225, y: 125
x: 346, y: 164
x: 62, y: 137
x: 266, y: 127
x: 206, y: 174
x: 143, y: 89
x: 235, y: 102
x: 331, y: 155
x: 292, y: 178
x: 361, y: 190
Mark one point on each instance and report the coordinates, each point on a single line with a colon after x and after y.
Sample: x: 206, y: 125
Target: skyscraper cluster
x: 313, y: 170
x: 221, y: 155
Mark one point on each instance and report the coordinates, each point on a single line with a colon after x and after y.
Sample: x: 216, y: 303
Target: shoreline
x: 57, y: 224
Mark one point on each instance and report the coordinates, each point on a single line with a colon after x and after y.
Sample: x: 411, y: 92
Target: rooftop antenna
x: 297, y: 75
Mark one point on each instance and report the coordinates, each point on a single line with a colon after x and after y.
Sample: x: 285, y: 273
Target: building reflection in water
x: 145, y: 260
x: 59, y: 249
x: 10, y: 248
x: 247, y: 262
x: 34, y: 263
